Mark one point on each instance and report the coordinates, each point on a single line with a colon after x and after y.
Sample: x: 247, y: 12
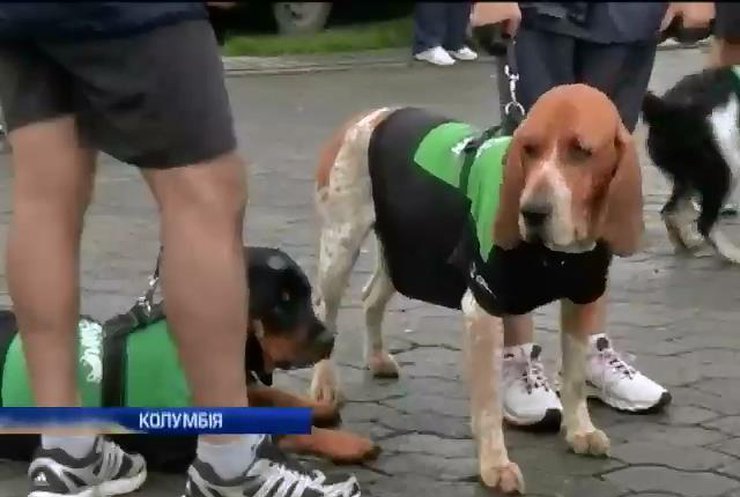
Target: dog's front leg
x: 577, y: 321
x: 483, y: 342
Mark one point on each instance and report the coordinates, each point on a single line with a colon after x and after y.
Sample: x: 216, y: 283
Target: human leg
x: 180, y: 134
x: 458, y: 19
x: 545, y: 60
x: 727, y: 34
x: 611, y: 378
x: 53, y: 182
x: 429, y: 31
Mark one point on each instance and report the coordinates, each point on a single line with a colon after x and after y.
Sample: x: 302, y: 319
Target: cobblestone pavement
x: 679, y: 316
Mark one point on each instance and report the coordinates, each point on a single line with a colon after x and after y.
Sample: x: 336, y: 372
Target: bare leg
x: 518, y: 330
x: 577, y: 323
x: 482, y: 360
x: 724, y: 53
x: 51, y: 190
x: 202, y: 210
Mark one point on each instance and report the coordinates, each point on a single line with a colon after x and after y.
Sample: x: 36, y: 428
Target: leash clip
x: 513, y: 75
x: 146, y: 301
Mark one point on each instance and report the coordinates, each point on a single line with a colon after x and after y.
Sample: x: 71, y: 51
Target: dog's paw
x: 340, y: 447
x: 326, y: 415
x: 351, y: 449
x: 383, y: 365
x: 692, y: 240
x: 507, y: 478
x: 684, y: 237
x: 324, y: 385
x: 594, y: 443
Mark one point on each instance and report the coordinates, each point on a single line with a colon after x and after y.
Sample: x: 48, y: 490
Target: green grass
x: 379, y: 35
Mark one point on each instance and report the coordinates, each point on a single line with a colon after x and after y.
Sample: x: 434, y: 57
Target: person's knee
x: 210, y: 195
x: 56, y: 179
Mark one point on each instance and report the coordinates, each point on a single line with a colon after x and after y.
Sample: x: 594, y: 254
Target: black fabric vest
x: 429, y: 243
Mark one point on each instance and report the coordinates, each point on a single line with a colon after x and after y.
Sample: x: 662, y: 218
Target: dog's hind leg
x: 345, y: 204
x: 339, y: 248
x: 375, y: 297
x: 679, y: 218
x: 709, y: 228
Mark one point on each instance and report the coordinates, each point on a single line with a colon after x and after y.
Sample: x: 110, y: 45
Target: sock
x: 525, y: 348
x: 77, y: 447
x: 231, y: 459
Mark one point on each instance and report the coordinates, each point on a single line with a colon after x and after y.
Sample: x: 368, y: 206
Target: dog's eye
x: 530, y: 149
x: 285, y: 296
x: 579, y: 151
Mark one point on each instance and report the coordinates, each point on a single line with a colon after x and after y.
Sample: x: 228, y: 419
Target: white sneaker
x: 529, y: 400
x: 616, y: 383
x: 437, y: 56
x: 465, y: 53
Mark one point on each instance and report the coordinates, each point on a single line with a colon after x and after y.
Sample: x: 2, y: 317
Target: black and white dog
x: 694, y: 138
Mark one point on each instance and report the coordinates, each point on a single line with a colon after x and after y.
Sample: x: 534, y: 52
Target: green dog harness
x: 443, y: 153
x: 152, y: 375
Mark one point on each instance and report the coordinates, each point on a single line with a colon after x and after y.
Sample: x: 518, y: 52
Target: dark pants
x: 440, y: 24
x: 727, y: 21
x: 621, y: 71
x: 155, y: 99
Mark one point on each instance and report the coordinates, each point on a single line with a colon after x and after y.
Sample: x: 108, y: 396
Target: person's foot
x: 436, y: 55
x: 273, y: 473
x: 106, y: 471
x: 616, y: 383
x: 465, y: 53
x: 529, y: 400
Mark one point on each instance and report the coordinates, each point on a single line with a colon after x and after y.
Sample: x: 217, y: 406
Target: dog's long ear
x: 506, y: 226
x: 623, y: 223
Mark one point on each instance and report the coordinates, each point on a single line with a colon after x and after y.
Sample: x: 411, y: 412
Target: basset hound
x: 490, y: 225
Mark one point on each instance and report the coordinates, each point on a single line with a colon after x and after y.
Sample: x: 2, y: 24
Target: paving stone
x: 729, y: 425
x: 688, y: 458
x: 429, y: 445
x: 689, y: 484
x: 731, y: 447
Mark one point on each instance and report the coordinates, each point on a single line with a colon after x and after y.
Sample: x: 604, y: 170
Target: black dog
x: 284, y: 333
x: 694, y: 138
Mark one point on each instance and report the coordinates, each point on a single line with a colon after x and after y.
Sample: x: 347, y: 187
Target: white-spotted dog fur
x: 346, y: 208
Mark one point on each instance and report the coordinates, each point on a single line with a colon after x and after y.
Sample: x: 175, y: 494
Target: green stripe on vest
x: 153, y: 377
x: 440, y: 153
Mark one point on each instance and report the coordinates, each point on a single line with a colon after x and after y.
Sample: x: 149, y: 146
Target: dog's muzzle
x: 535, y: 216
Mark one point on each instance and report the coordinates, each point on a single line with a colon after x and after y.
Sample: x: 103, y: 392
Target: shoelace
x: 616, y: 363
x: 112, y: 459
x: 293, y: 483
x: 533, y: 375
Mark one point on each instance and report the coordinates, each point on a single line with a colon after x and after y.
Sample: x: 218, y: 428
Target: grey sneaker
x: 106, y: 471
x: 273, y: 474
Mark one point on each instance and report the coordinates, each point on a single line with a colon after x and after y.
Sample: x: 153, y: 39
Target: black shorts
x: 727, y: 21
x: 155, y: 99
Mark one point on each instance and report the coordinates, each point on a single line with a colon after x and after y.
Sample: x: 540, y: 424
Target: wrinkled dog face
x: 568, y: 151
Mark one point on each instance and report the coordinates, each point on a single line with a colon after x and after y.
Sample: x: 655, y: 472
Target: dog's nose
x: 535, y: 214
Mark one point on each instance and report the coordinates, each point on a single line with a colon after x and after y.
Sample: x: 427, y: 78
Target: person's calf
x: 202, y: 208
x: 51, y: 190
